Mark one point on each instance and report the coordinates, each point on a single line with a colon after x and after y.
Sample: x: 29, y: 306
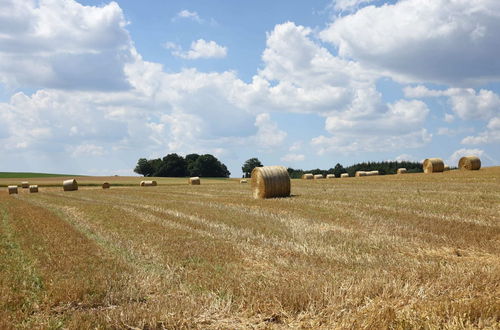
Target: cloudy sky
x: 88, y: 87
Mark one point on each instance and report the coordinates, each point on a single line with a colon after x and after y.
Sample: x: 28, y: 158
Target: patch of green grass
x: 31, y: 175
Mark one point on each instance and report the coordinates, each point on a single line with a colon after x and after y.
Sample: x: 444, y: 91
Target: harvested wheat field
x: 399, y: 251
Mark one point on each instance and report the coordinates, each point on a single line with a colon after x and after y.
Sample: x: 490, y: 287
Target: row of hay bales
x: 436, y: 165
x: 25, y: 185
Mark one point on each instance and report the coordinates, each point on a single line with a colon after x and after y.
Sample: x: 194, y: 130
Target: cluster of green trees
x: 173, y: 165
x: 389, y: 167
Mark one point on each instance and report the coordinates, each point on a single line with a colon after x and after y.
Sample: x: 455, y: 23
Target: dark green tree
x: 249, y: 165
x: 192, y: 168
x: 144, y: 167
x: 173, y: 166
x: 209, y: 166
x: 338, y: 170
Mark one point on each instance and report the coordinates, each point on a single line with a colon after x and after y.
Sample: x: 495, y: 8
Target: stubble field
x: 409, y: 251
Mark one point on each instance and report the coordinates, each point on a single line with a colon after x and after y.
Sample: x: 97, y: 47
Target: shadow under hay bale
x: 433, y: 165
x: 33, y: 188
x: 471, y: 163
x: 12, y: 190
x: 70, y: 185
x: 195, y: 181
x: 270, y: 181
x: 243, y: 181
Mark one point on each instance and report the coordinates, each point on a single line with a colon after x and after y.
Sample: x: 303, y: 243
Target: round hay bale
x: 344, y: 175
x: 401, y: 170
x: 70, y: 185
x: 330, y: 176
x: 360, y: 173
x: 270, y: 181
x: 25, y: 184
x: 195, y: 180
x: 33, y: 188
x: 446, y: 168
x: 471, y: 163
x: 433, y: 165
x: 106, y: 185
x: 12, y: 190
x: 243, y: 181
x: 150, y: 183
x: 318, y: 176
x: 372, y: 173
x: 307, y: 176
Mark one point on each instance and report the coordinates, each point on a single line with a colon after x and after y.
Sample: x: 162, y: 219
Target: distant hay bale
x: 195, y: 180
x: 33, y: 188
x: 471, y: 163
x: 25, y: 184
x: 330, y: 176
x: 318, y: 176
x: 433, y: 165
x: 446, y: 168
x: 70, y: 185
x: 12, y: 190
x: 372, y: 173
x: 344, y: 175
x: 360, y: 173
x: 307, y: 176
x: 270, y: 181
x: 106, y: 185
x: 243, y: 181
x: 150, y: 183
x: 401, y: 170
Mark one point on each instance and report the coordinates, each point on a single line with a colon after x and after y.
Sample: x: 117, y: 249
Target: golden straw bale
x: 307, y: 176
x: 106, y: 185
x: 318, y: 176
x: 150, y: 183
x: 401, y: 170
x: 471, y: 163
x: 330, y: 176
x: 270, y: 181
x: 33, y: 188
x: 25, y: 184
x: 195, y: 180
x: 70, y: 185
x: 344, y: 175
x: 243, y: 181
x: 371, y: 173
x: 12, y: 190
x: 360, y: 173
x: 433, y: 165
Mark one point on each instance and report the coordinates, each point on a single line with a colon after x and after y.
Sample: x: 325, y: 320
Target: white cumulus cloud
x: 292, y: 158
x: 199, y: 49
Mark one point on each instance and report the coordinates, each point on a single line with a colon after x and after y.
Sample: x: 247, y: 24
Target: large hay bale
x: 471, y: 163
x: 307, y: 176
x: 401, y: 170
x: 330, y: 176
x: 360, y: 173
x: 106, y: 185
x: 318, y: 176
x: 70, y: 185
x: 150, y: 183
x: 25, y: 184
x: 33, y: 188
x: 270, y: 181
x: 372, y: 173
x: 433, y: 165
x: 195, y: 180
x: 12, y: 190
x: 243, y: 181
x: 344, y: 175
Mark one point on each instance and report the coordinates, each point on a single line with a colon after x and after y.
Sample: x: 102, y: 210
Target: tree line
x: 174, y: 165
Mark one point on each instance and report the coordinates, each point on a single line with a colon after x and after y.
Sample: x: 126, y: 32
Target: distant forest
x: 173, y: 165
x: 383, y: 168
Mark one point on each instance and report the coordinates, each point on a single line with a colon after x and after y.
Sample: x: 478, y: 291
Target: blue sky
x: 91, y: 86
